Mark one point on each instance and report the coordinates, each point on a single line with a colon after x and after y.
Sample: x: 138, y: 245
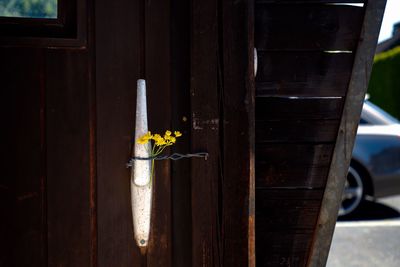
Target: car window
x: 363, y: 122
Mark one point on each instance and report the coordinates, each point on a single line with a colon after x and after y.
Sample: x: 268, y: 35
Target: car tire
x: 354, y: 191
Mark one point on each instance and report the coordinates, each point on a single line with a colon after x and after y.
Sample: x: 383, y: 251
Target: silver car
x: 375, y: 166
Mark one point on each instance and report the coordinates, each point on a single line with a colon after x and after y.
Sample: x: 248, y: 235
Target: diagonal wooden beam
x: 347, y: 131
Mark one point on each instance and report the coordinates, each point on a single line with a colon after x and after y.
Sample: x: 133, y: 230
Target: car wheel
x: 354, y: 192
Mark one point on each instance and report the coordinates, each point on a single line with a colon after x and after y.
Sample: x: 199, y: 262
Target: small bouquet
x: 159, y: 143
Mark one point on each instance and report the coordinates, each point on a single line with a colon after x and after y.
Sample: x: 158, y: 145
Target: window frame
x: 67, y: 30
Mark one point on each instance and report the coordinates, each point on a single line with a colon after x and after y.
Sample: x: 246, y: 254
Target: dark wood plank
x: 205, y: 174
x: 92, y: 133
x: 285, y: 220
x: 180, y: 107
x: 303, y: 73
x: 118, y: 63
x: 68, y: 180
x: 23, y: 225
x: 312, y: 131
x: 292, y: 165
x: 277, y: 109
x: 310, y: 27
x: 280, y: 210
x: 157, y: 75
x: 283, y: 248
x: 238, y: 101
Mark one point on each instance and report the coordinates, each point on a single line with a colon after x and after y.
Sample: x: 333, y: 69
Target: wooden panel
x: 275, y: 109
x: 180, y: 105
x: 284, y: 223
x: 310, y: 27
x: 23, y: 239
x: 238, y: 101
x: 315, y: 131
x: 303, y: 73
x: 157, y: 74
x: 117, y: 69
x: 289, y: 209
x: 68, y: 180
x: 283, y: 248
x: 206, y: 231
x: 292, y: 165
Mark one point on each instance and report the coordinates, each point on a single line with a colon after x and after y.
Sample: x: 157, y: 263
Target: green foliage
x: 28, y: 8
x: 384, y: 85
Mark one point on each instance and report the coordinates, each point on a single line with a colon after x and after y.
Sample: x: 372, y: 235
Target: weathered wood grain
x: 280, y: 210
x: 180, y: 108
x: 283, y: 248
x: 286, y: 108
x: 67, y: 136
x: 310, y: 27
x: 158, y: 77
x: 23, y: 225
x: 285, y: 219
x: 309, y: 131
x: 295, y: 73
x: 118, y: 63
x: 205, y: 134
x: 292, y: 165
x: 238, y: 99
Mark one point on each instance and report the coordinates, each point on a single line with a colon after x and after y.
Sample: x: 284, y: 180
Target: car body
x: 375, y: 166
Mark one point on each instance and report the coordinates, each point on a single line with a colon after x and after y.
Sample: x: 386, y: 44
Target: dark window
x: 44, y: 23
x: 28, y: 8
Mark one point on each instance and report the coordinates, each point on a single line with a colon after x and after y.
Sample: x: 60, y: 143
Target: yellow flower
x: 159, y: 141
x: 148, y: 135
x: 142, y: 140
x: 145, y: 138
x: 157, y: 137
x: 167, y: 140
x: 159, y: 144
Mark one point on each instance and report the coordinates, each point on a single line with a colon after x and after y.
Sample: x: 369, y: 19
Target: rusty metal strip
x: 346, y: 135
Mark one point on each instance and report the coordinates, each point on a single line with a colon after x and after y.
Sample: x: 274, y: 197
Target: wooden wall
x: 47, y: 208
x: 68, y: 116
x: 306, y: 52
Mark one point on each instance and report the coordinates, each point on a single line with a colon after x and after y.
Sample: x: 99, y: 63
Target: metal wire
x: 175, y: 156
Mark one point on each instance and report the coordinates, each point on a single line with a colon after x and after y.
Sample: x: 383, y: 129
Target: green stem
x: 155, y: 153
x: 152, y: 171
x: 152, y: 163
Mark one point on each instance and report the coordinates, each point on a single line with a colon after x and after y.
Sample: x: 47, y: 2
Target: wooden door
x: 69, y: 112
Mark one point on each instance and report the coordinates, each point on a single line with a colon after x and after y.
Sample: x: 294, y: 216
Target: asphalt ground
x: 369, y: 238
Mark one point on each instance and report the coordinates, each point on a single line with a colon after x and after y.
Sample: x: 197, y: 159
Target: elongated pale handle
x: 141, y: 168
x: 141, y: 212
x: 141, y: 186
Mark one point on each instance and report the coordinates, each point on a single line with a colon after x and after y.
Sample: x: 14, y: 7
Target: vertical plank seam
x: 91, y: 47
x: 43, y: 156
x: 250, y: 96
